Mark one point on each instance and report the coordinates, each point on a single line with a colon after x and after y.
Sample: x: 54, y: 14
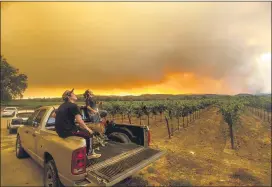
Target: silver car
x: 19, y: 119
x: 9, y: 112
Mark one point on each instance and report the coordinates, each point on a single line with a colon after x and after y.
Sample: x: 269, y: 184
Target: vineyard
x: 213, y: 141
x: 210, y: 141
x: 178, y: 114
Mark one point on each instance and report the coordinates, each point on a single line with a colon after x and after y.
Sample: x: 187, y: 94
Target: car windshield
x: 9, y: 108
x: 24, y: 115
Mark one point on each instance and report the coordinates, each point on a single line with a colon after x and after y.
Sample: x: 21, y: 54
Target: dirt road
x: 16, y: 172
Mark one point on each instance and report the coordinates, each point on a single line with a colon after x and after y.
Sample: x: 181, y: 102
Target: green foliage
x: 170, y: 108
x: 13, y: 84
x: 260, y: 102
x: 231, y: 111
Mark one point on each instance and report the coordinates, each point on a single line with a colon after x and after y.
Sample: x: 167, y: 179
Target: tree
x: 231, y: 112
x: 147, y: 110
x: 138, y: 112
x: 161, y: 108
x: 13, y: 84
x: 154, y: 111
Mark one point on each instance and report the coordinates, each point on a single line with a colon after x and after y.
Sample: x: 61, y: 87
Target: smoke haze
x: 135, y: 48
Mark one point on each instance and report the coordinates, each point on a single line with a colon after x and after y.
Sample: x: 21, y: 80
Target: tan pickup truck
x: 126, y: 152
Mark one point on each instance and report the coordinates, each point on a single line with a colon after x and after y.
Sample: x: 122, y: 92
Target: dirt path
x: 196, y: 156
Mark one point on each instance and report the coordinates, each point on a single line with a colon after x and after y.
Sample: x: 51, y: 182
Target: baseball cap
x: 88, y: 92
x: 67, y: 93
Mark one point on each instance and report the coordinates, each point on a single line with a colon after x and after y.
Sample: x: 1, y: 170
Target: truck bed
x: 112, y: 149
x: 118, y: 161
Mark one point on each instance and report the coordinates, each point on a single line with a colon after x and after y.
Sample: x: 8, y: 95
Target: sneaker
x: 93, y: 155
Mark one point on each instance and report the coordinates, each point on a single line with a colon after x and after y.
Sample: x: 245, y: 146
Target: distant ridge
x: 258, y: 94
x: 244, y: 94
x: 263, y: 94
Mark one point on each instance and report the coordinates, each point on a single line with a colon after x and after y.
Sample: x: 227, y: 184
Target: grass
x: 180, y: 182
x: 245, y: 177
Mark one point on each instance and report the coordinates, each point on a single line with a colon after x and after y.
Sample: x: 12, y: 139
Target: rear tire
x: 119, y: 137
x: 125, y: 182
x: 51, y: 178
x: 19, y: 150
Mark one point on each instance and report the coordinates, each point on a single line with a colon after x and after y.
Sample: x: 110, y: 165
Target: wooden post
x: 231, y: 136
x: 167, y: 124
x: 129, y: 119
x: 172, y: 127
x: 178, y: 123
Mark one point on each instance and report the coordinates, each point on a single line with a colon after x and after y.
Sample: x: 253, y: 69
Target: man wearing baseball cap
x: 65, y: 125
x: 91, y: 106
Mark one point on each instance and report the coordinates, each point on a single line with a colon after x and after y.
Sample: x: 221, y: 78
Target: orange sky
x: 138, y: 48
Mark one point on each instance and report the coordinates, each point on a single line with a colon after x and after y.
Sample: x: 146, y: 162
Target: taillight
x: 79, y: 161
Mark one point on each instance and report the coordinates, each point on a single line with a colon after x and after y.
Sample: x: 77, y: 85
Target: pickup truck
x: 64, y: 162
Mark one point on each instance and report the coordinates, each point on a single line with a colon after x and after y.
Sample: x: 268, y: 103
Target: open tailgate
x: 122, y: 166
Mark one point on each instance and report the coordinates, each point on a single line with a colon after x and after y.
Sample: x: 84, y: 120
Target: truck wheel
x: 119, y: 137
x: 51, y: 178
x: 20, y: 152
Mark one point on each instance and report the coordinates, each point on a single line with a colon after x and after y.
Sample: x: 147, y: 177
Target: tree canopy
x: 13, y: 83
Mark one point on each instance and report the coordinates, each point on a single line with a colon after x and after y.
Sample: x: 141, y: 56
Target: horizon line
x: 185, y: 94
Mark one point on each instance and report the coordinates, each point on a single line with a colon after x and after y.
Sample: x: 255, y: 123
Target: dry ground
x: 197, y: 155
x: 200, y: 154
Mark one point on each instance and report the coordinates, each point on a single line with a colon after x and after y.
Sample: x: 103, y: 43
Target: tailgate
x: 120, y: 167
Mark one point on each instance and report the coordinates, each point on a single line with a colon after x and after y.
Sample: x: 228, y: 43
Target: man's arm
x: 54, y: 113
x: 76, y: 112
x: 89, y: 106
x: 82, y: 123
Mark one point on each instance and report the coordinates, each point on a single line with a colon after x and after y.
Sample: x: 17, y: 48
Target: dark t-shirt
x: 65, y: 118
x: 90, y: 102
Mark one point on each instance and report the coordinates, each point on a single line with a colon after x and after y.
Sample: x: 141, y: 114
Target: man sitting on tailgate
x: 66, y: 115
